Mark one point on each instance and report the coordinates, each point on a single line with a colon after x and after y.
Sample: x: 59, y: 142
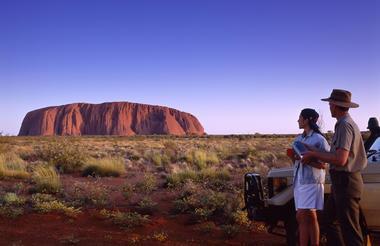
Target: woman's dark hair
x: 311, y: 115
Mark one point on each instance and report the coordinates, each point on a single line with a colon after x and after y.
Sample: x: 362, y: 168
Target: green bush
x: 201, y: 158
x: 44, y: 203
x: 88, y: 193
x: 209, y: 176
x: 216, y: 179
x: 11, y: 205
x: 240, y: 218
x: 180, y: 178
x: 157, y: 157
x: 203, y: 204
x: 147, y: 206
x: 67, y: 157
x: 129, y: 219
x: 11, y: 198
x: 148, y: 184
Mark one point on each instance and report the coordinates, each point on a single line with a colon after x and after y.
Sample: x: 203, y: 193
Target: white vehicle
x: 276, y: 206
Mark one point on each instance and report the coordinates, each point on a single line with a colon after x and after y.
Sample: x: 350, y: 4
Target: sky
x: 240, y: 67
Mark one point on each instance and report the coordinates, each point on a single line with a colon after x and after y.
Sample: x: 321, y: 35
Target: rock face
x: 116, y: 118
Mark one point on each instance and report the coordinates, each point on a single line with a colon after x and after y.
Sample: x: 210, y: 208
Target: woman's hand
x: 292, y: 155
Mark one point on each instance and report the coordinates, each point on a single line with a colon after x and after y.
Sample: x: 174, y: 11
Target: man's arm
x: 338, y: 158
x: 316, y: 164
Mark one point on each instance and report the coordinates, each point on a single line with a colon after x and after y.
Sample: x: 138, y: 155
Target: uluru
x: 113, y: 118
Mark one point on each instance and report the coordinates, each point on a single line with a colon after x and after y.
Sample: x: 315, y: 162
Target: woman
x: 309, y: 179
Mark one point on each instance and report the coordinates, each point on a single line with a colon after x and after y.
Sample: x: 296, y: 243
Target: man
x: 373, y: 126
x: 347, y: 157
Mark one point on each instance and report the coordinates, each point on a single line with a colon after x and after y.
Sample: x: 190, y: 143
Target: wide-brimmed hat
x: 372, y: 123
x: 341, y: 98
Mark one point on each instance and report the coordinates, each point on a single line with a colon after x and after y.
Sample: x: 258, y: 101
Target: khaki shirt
x: 347, y: 136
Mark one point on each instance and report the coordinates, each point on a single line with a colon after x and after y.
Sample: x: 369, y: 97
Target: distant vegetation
x: 126, y: 179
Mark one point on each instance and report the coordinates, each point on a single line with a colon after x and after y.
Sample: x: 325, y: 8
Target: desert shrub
x: 160, y: 236
x: 148, y: 184
x: 105, y: 167
x: 11, y: 205
x: 46, y: 179
x: 229, y: 152
x: 11, y: 198
x: 11, y: 211
x: 261, y: 168
x: 158, y: 157
x: 201, y: 158
x: 212, y: 178
x: 124, y: 219
x: 127, y: 191
x: 240, y: 218
x: 6, y: 143
x: 267, y: 157
x: 203, y: 204
x: 12, y: 166
x: 44, y: 203
x: 214, y: 175
x: 180, y: 206
x: 147, y: 206
x: 198, y: 158
x: 133, y: 155
x: 87, y: 193
x: 248, y: 152
x: 207, y: 203
x: 67, y: 157
x: 176, y: 179
x: 171, y: 151
x: 216, y: 179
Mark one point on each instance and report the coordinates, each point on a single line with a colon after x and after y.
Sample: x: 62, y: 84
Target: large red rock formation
x: 116, y: 118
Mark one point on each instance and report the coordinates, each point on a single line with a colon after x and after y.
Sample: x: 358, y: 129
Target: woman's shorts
x: 309, y: 196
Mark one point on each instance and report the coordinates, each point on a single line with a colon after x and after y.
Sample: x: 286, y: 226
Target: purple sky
x: 238, y: 66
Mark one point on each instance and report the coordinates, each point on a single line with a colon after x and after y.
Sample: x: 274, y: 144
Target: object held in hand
x: 299, y: 148
x: 290, y: 153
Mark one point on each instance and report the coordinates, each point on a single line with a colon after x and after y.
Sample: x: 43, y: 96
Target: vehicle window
x: 376, y: 145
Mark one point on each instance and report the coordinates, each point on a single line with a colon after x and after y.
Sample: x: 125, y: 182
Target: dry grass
x: 46, y: 179
x: 105, y: 167
x: 12, y: 166
x: 204, y: 174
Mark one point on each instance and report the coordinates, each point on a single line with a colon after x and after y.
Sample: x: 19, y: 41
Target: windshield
x: 376, y: 145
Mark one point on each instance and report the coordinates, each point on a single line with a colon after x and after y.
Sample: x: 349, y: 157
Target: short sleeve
x: 345, y: 134
x: 321, y: 143
x: 324, y: 145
